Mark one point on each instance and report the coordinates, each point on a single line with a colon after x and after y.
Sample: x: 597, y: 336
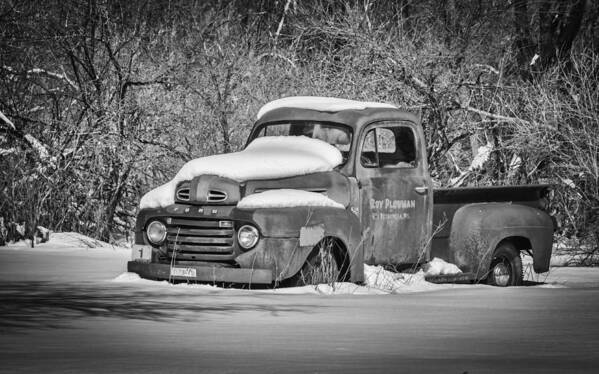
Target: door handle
x: 421, y: 189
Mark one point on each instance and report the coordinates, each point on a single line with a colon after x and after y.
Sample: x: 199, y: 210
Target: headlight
x: 156, y: 232
x: 247, y: 236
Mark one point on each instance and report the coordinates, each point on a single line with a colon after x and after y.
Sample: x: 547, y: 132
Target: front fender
x: 289, y: 234
x: 477, y: 229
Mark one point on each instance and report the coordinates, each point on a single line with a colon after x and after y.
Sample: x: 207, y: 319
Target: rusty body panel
x: 389, y: 214
x: 456, y: 234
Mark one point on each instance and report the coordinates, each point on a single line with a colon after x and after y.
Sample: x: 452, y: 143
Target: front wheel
x: 506, y: 266
x: 322, y: 266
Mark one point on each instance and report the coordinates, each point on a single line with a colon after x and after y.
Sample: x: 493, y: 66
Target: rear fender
x: 477, y: 229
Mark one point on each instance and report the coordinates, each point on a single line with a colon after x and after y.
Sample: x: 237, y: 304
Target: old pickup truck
x: 324, y: 186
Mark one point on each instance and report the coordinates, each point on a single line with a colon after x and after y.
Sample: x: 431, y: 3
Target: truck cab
x: 381, y: 211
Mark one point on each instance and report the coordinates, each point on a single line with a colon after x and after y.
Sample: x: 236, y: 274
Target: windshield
x: 337, y: 135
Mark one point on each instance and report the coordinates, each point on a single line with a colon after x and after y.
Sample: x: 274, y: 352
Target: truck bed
x: 446, y: 201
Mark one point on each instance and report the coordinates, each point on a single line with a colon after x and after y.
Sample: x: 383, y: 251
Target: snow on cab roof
x: 323, y: 104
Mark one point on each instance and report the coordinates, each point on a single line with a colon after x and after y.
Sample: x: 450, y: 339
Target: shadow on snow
x: 56, y: 305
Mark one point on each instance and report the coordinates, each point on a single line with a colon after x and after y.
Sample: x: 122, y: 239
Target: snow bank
x: 74, y: 239
x: 69, y: 241
x: 286, y: 198
x: 128, y: 277
x: 340, y: 288
x: 379, y: 278
x: 323, y: 104
x: 265, y: 158
x: 438, y: 266
x: 377, y: 281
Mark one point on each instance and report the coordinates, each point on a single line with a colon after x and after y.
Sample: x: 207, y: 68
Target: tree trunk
x: 569, y: 28
x: 524, y: 43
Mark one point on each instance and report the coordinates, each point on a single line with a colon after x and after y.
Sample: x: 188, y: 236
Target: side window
x: 405, y: 141
x: 389, y: 147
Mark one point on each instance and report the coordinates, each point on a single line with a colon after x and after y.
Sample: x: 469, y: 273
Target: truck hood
x: 266, y: 163
x: 215, y: 190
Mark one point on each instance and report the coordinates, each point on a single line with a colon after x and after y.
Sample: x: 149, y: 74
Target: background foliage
x: 103, y: 100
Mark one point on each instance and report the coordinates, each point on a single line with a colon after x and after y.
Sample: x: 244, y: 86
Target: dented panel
x: 311, y: 235
x: 283, y: 256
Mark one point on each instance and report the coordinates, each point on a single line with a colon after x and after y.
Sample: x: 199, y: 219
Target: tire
x: 506, y: 266
x: 322, y: 266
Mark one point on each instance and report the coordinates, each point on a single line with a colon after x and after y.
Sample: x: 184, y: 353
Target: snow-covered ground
x: 70, y: 306
x: 72, y: 257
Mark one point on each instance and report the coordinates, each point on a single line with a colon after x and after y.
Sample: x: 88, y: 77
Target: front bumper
x: 204, y: 273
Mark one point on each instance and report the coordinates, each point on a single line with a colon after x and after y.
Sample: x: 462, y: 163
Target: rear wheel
x: 506, y: 266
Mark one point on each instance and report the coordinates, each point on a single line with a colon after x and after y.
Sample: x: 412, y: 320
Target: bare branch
x: 4, y: 152
x: 185, y: 157
x: 416, y: 82
x: 38, y: 146
x: 279, y: 56
x: 145, y: 83
x: 494, y: 116
x: 7, y: 121
x: 487, y: 67
x: 281, y: 22
x: 52, y: 75
x: 38, y: 71
x: 33, y: 142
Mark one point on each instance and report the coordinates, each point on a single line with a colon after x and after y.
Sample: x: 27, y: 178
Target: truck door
x: 395, y: 193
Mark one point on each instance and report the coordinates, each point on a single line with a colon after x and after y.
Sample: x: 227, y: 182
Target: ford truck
x: 384, y: 210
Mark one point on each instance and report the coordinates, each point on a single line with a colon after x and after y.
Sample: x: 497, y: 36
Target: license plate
x: 183, y: 272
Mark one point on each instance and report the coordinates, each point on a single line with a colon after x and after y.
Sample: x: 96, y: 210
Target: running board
x: 454, y: 278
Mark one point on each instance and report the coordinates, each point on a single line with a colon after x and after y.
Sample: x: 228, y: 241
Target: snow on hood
x: 323, y: 104
x: 286, y: 198
x: 265, y: 158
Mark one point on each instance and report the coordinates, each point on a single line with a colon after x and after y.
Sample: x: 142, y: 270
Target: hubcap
x: 501, y: 274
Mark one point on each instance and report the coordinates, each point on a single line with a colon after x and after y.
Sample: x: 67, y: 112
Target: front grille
x: 199, y: 239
